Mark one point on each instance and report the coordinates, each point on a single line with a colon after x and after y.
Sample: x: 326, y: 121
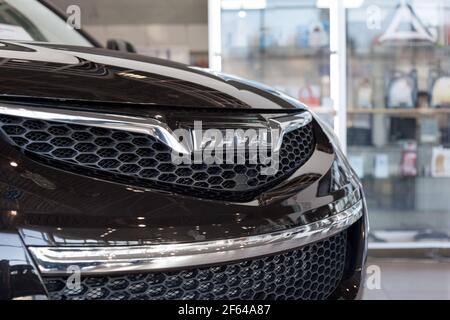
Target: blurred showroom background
x: 394, y: 97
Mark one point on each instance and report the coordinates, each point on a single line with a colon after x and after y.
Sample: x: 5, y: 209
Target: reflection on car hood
x: 37, y: 70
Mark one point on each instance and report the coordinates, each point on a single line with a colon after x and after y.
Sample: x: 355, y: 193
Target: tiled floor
x: 409, y: 279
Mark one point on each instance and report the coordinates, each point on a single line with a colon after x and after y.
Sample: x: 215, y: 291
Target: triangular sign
x: 404, y: 13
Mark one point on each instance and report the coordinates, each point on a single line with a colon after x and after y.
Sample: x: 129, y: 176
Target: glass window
x: 282, y: 43
x: 398, y: 102
x: 31, y: 21
x: 399, y: 115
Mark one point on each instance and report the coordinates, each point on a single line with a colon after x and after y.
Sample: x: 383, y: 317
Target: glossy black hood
x: 67, y: 73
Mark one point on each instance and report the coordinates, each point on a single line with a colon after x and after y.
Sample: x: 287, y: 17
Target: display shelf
x: 276, y: 53
x: 389, y: 147
x: 401, y: 111
x: 323, y: 110
x: 420, y: 178
x: 294, y: 52
x: 410, y: 51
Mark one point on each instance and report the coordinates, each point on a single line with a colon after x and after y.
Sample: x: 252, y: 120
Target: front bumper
x: 112, y: 259
x: 54, y: 223
x: 327, y: 257
x: 330, y: 268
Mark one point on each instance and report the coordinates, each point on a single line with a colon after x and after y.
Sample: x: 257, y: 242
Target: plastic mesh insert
x: 311, y: 272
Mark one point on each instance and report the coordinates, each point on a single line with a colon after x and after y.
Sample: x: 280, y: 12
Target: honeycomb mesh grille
x: 311, y: 272
x: 141, y: 160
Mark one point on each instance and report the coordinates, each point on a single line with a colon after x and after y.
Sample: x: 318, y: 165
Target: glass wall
x: 282, y: 43
x: 397, y: 92
x: 398, y: 115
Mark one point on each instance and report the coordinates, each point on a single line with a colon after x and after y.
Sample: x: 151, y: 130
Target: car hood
x: 68, y: 73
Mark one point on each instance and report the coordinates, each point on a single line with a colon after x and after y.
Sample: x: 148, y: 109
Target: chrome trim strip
x: 285, y: 125
x: 148, y: 126
x: 97, y: 260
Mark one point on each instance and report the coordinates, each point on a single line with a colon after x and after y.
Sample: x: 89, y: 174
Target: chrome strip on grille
x: 148, y: 126
x: 96, y: 260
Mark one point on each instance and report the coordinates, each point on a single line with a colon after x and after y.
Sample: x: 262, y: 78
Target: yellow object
x: 440, y: 95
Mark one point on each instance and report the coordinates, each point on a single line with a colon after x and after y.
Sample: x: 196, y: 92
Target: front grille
x: 141, y: 160
x: 311, y: 272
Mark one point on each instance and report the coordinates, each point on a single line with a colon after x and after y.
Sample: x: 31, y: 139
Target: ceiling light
x: 242, y: 14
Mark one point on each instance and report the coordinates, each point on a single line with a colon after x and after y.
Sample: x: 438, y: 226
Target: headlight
x: 341, y: 181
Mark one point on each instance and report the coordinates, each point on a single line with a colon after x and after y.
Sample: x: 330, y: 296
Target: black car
x: 93, y: 205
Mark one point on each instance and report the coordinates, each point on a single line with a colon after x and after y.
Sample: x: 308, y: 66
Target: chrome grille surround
x: 140, y: 155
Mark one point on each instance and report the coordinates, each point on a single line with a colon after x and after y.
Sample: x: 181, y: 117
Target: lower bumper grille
x: 311, y: 272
